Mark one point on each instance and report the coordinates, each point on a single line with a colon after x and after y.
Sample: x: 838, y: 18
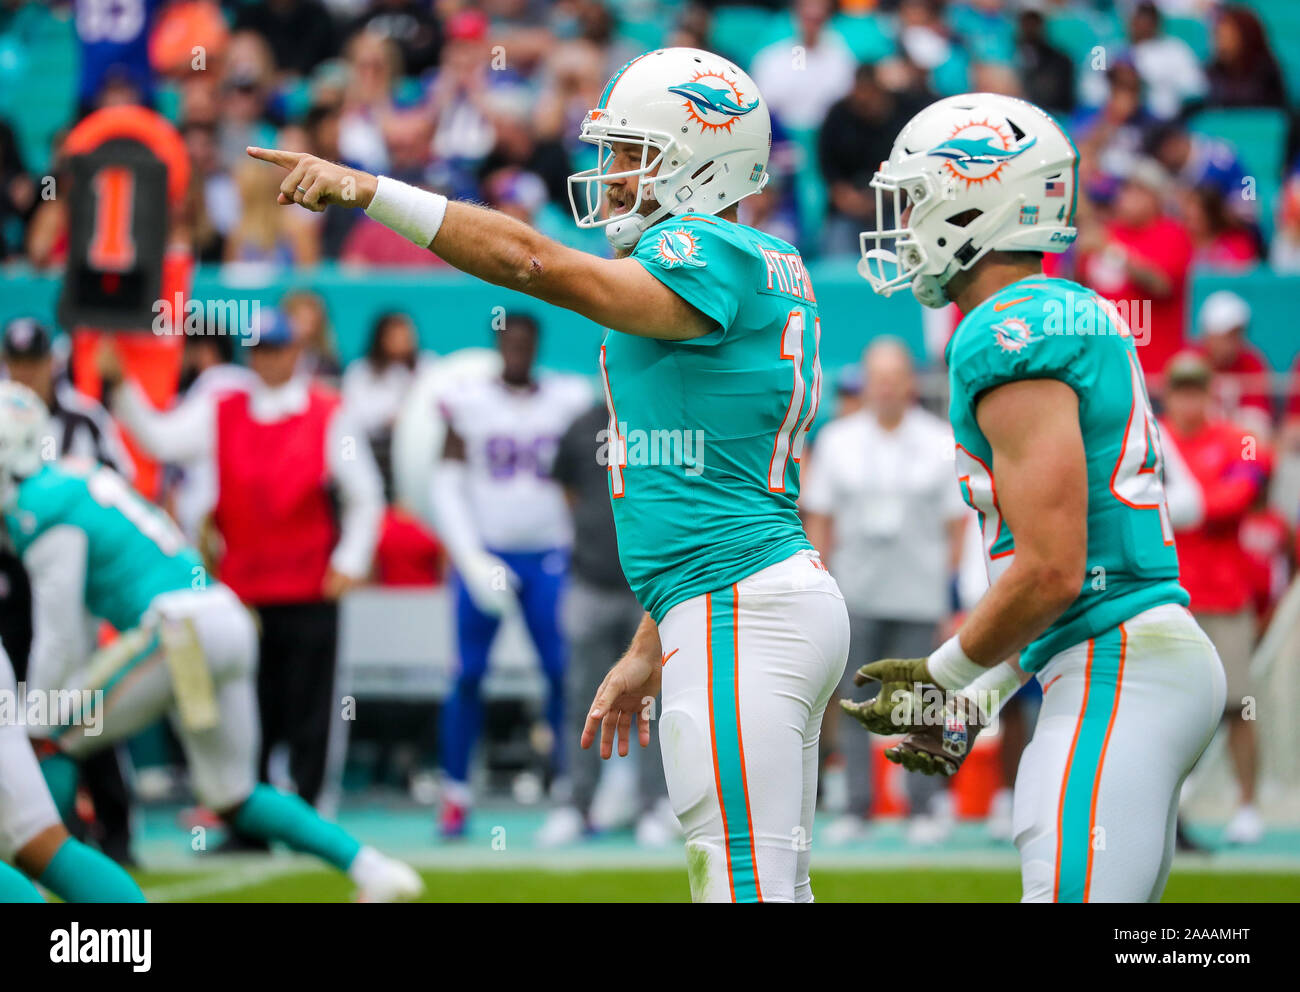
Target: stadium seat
x: 741, y: 32
x: 1192, y: 30
x: 39, y: 47
x: 1078, y: 34
x: 1282, y: 23
x: 869, y: 37
x: 1259, y: 136
x: 810, y: 190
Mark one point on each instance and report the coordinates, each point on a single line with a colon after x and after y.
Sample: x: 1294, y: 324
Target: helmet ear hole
x: 965, y: 218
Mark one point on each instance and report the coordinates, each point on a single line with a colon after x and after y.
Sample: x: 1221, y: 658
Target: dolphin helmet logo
x: 977, y: 152
x: 713, y: 101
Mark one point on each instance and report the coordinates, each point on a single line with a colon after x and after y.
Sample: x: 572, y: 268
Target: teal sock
x: 14, y: 886
x: 77, y: 873
x: 274, y: 815
x: 61, y: 774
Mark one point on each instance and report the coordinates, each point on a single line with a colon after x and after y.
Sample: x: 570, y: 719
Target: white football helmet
x: 980, y: 172
x: 24, y: 425
x: 704, y: 133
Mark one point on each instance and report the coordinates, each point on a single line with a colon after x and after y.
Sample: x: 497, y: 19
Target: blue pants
x: 542, y: 577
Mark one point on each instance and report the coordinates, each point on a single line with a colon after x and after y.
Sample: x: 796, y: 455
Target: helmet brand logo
x: 713, y: 101
x: 978, y: 152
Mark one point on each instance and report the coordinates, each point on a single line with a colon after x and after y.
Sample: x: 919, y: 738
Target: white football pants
x: 1125, y: 716
x: 747, y: 674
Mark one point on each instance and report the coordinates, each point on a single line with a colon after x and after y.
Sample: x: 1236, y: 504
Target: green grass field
x: 669, y: 885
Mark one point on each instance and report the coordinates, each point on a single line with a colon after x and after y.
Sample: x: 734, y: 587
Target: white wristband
x: 950, y: 668
x: 415, y: 214
x: 991, y: 690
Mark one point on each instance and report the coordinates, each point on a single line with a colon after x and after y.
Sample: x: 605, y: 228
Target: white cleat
x: 844, y: 829
x: 563, y: 826
x: 380, y: 878
x: 1245, y: 827
x: 927, y: 831
x: 658, y: 827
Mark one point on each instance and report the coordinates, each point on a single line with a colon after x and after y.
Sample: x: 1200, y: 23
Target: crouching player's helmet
x: 24, y: 425
x: 980, y: 172
x: 704, y: 136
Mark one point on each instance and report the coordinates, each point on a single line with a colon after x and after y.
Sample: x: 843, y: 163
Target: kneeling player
x: 96, y: 551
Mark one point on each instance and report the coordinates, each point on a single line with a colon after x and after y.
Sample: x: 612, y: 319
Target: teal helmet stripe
x: 1074, y: 184
x: 613, y: 81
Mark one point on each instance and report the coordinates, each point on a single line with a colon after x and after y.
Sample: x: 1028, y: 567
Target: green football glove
x: 890, y: 712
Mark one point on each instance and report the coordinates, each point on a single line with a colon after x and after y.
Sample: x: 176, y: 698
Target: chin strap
x: 929, y: 292
x: 625, y: 232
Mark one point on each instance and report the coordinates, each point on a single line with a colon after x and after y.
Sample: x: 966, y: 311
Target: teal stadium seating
x: 454, y: 311
x: 1259, y: 136
x: 1282, y: 23
x: 38, y: 80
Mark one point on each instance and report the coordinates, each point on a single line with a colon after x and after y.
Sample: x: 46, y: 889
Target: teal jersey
x: 133, y: 550
x: 705, y: 435
x: 1041, y: 328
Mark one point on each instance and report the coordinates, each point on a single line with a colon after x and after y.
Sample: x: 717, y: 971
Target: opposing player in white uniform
x: 96, y: 552
x: 505, y: 524
x: 1059, y: 452
x: 713, y: 338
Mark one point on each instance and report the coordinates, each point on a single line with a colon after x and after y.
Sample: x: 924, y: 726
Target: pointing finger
x: 286, y: 160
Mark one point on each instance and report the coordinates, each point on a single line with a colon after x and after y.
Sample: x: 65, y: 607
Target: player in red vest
x: 283, y: 450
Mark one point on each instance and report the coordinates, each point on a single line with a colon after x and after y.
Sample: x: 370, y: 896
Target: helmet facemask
x: 892, y: 256
x: 588, y: 187
x: 897, y: 256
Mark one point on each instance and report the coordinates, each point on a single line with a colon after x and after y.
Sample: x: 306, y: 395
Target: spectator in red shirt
x: 1290, y: 439
x: 1213, y: 566
x: 1221, y: 240
x: 1240, y: 385
x: 1141, y: 257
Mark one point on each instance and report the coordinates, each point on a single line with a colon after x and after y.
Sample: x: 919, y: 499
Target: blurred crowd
x: 483, y: 101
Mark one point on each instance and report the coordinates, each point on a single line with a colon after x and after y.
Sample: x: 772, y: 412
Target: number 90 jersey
x: 1041, y: 328
x: 705, y: 435
x: 134, y: 551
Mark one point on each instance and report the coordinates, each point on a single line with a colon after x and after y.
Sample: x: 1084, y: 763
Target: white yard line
x: 228, y: 878
x: 229, y: 874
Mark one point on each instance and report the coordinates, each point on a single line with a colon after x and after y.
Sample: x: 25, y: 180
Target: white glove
x: 490, y: 582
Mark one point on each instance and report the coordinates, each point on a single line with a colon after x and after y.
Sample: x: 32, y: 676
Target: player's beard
x: 648, y: 206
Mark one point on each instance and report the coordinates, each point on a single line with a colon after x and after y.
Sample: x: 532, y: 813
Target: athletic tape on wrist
x: 415, y: 214
x: 950, y: 668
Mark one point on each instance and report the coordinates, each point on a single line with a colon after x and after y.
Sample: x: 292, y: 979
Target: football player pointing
x: 712, y: 355
x: 1058, y: 451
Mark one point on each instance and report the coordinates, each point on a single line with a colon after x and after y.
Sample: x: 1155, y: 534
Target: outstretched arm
x: 615, y: 293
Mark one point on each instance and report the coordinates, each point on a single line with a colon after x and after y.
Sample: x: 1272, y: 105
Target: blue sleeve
x: 702, y: 262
